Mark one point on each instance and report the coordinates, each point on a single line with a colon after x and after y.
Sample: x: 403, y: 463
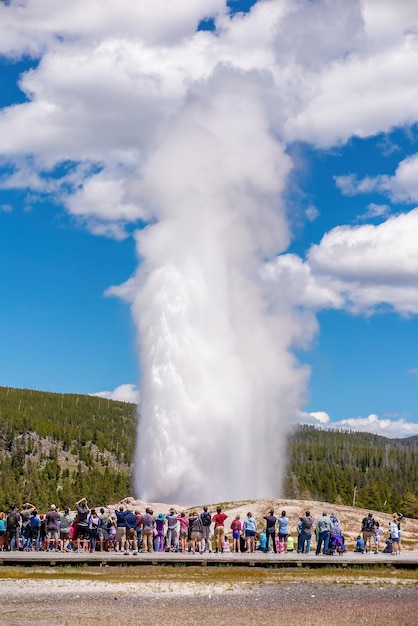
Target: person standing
x: 35, y: 526
x: 184, y: 527
x: 82, y: 533
x: 249, y: 528
x: 13, y: 521
x: 172, y: 532
x: 131, y: 521
x: 121, y: 513
x: 367, y: 528
x: 394, y: 535
x: 65, y: 523
x: 304, y: 539
x: 283, y: 531
x: 323, y: 528
x: 52, y: 520
x: 270, y: 530
x: 219, y: 520
x: 206, y: 518
x: 236, y: 527
x: 148, y: 525
x: 94, y: 529
x: 25, y: 514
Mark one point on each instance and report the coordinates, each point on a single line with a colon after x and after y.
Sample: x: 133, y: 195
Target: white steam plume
x: 219, y: 387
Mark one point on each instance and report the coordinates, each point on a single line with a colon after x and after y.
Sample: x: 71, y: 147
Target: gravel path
x: 27, y: 602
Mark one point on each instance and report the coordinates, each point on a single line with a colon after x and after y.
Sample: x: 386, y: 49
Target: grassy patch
x: 229, y: 575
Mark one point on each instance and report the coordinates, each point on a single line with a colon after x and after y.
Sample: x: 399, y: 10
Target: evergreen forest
x: 61, y: 447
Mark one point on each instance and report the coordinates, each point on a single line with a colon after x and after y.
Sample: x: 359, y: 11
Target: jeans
x: 172, y: 537
x: 323, y: 538
x: 139, y: 537
x: 273, y: 538
x: 304, y: 543
x: 14, y: 540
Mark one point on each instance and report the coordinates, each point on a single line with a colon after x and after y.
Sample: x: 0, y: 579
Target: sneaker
x: 126, y: 554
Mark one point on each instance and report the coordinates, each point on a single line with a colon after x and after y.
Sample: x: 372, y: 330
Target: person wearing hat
x: 159, y: 525
x: 52, y: 519
x: 172, y: 531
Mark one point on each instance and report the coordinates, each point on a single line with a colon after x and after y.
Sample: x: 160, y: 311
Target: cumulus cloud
x: 370, y: 424
x: 380, y: 426
x: 6, y: 208
x: 123, y: 393
x: 358, y: 268
x: 402, y: 187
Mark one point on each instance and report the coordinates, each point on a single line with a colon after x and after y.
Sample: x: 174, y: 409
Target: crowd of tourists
x: 121, y: 529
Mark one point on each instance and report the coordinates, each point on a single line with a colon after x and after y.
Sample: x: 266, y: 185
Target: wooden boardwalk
x: 258, y: 559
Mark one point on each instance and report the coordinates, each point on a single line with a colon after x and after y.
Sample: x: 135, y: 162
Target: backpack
x: 12, y: 521
x: 206, y: 518
x: 368, y: 523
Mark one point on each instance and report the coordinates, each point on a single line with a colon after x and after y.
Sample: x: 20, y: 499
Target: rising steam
x: 219, y: 387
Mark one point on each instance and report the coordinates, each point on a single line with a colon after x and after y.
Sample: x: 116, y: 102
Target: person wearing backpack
x: 367, y: 529
x: 206, y: 518
x: 13, y: 527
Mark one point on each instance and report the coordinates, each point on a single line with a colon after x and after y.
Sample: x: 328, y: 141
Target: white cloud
x: 413, y: 371
x: 402, y: 187
x: 380, y: 426
x: 375, y: 210
x: 370, y: 424
x: 312, y: 213
x: 6, y: 208
x: 123, y: 393
x: 314, y: 418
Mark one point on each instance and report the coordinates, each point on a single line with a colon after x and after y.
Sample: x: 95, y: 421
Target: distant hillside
x: 341, y: 467
x: 57, y: 447
x: 60, y: 447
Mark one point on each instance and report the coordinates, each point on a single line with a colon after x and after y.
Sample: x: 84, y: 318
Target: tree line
x: 57, y: 447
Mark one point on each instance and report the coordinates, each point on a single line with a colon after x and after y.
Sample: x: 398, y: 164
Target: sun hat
x: 160, y: 516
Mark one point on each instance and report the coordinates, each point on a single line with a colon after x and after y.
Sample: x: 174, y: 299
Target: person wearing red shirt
x: 219, y: 520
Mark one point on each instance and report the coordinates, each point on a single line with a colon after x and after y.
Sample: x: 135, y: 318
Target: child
x: 359, y: 544
x: 236, y: 528
x: 378, y: 532
x: 226, y: 547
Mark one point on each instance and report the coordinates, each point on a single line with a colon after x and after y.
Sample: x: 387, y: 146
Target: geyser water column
x: 219, y: 386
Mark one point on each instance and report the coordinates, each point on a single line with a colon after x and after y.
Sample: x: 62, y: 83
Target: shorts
x: 183, y: 534
x: 120, y: 533
x: 367, y: 534
x: 131, y: 534
x: 236, y: 535
x: 64, y: 534
x: 250, y: 533
x: 82, y: 532
x: 283, y: 537
x: 395, y: 540
x: 196, y: 535
x: 219, y: 532
x: 52, y: 534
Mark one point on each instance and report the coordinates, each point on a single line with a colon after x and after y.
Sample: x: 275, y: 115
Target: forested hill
x: 345, y: 467
x: 60, y: 447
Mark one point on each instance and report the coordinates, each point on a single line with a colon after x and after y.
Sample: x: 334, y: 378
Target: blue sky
x: 354, y: 166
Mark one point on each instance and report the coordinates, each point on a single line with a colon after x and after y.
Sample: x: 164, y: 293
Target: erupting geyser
x: 219, y: 387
